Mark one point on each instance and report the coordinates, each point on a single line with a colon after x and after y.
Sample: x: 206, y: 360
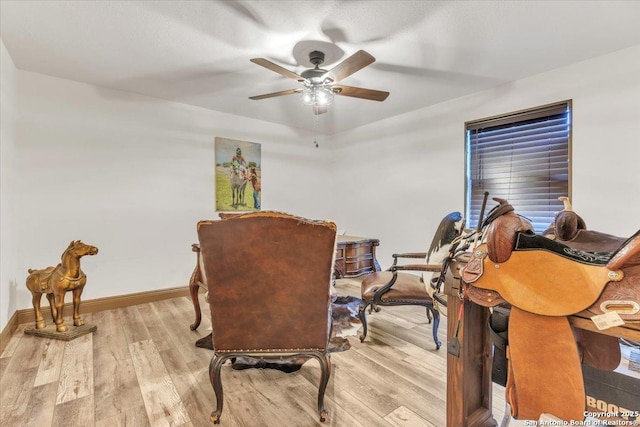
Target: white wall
x: 407, y: 172
x: 8, y: 284
x: 132, y: 175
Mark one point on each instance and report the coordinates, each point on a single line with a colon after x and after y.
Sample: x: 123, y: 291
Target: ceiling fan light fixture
x: 320, y: 85
x: 317, y: 96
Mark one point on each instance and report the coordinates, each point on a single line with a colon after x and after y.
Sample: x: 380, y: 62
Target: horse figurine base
x: 68, y: 335
x: 56, y: 281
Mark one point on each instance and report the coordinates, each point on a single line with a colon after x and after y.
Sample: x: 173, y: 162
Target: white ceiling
x: 197, y: 52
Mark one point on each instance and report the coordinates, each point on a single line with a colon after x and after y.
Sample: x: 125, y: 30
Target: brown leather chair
x: 269, y: 278
x: 398, y: 287
x: 198, y: 282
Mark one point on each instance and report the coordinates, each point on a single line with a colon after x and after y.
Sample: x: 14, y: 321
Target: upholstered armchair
x: 198, y: 282
x: 269, y: 277
x: 413, y: 284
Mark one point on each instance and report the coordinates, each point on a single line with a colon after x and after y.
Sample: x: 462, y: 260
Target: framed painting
x: 238, y: 175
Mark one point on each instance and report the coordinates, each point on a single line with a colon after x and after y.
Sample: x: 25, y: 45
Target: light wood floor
x: 142, y: 368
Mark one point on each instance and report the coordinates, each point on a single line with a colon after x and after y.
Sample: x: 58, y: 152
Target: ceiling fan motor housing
x: 316, y: 57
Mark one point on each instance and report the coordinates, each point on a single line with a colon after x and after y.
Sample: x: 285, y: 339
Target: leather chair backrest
x: 269, y: 276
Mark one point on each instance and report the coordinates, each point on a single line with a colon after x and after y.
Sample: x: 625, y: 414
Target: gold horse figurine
x: 56, y: 281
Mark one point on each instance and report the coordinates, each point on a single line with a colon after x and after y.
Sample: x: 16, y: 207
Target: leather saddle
x: 544, y: 279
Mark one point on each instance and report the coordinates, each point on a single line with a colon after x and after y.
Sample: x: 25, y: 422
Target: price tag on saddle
x: 607, y: 320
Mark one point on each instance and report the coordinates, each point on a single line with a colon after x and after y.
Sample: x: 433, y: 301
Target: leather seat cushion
x: 408, y: 287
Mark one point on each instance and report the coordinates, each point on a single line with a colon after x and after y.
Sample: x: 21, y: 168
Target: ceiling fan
x: 319, y: 85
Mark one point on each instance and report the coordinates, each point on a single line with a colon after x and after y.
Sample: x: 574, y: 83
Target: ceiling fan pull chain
x: 315, y: 131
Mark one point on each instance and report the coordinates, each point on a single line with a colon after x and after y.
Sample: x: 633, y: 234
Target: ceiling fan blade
x: 271, y: 95
x: 278, y: 69
x: 355, y: 62
x: 358, y: 92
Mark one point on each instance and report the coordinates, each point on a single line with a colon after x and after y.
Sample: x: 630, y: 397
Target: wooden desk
x: 355, y: 256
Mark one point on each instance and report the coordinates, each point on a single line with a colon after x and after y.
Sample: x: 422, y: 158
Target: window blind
x: 522, y: 157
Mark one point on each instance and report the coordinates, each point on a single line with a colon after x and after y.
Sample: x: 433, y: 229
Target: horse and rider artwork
x: 55, y: 282
x: 238, y: 175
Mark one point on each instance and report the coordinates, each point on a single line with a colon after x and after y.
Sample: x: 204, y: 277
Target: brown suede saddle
x: 544, y: 279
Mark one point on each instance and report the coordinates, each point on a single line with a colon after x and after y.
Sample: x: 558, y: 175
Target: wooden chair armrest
x: 410, y: 255
x: 417, y: 267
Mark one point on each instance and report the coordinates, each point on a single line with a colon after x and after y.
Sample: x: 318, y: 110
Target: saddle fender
x: 561, y: 288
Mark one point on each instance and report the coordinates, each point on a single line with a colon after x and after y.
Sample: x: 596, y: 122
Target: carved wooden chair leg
x: 325, y: 368
x: 429, y: 314
x: 193, y: 288
x: 436, y: 324
x: 363, y: 318
x: 216, y: 382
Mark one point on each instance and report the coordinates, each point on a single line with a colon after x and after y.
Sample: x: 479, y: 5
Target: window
x: 523, y: 157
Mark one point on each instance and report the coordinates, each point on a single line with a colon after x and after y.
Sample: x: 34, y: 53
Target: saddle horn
x: 567, y: 222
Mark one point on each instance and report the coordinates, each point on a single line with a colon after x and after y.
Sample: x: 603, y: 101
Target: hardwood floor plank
x: 420, y: 336
x: 51, y: 363
x: 136, y: 416
x: 421, y: 399
x: 383, y: 346
x: 4, y: 362
x: 109, y: 341
x: 157, y: 330
x: 76, y: 412
x: 13, y: 342
x: 291, y: 398
x: 161, y: 399
x: 15, y: 394
x: 133, y: 325
x: 347, y: 405
x: 28, y: 353
x: 407, y: 367
x: 41, y: 405
x: 147, y: 371
x: 17, y: 381
x: 76, y: 375
x: 116, y: 388
x: 198, y: 398
x: 229, y: 417
x: 250, y: 397
x: 347, y: 377
x: 299, y: 388
x: 404, y: 417
x: 175, y: 316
